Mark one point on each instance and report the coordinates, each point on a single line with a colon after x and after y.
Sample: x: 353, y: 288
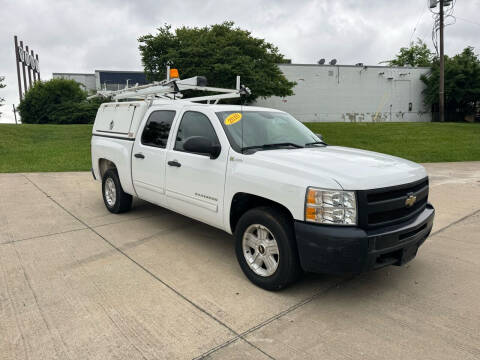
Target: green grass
x: 419, y: 142
x: 33, y: 148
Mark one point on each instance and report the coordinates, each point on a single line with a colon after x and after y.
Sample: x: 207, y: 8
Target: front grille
x: 386, y: 206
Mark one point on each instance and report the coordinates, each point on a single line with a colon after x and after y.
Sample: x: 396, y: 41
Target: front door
x: 149, y: 155
x: 195, y: 182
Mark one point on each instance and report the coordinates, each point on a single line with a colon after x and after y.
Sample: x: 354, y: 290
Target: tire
x: 279, y: 227
x: 120, y: 202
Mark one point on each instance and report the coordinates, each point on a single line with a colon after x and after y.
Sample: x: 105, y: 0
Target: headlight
x: 335, y: 207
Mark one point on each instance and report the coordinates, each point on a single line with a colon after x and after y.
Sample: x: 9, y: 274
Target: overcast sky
x: 81, y: 36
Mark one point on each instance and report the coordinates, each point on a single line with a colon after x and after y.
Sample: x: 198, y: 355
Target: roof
x: 74, y: 74
x: 122, y: 71
x: 360, y: 66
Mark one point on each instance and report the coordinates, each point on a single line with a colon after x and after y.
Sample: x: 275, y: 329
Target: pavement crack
x: 42, y: 236
x: 275, y: 317
x: 177, y: 292
x: 455, y: 222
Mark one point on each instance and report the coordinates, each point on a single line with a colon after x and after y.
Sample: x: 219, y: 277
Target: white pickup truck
x: 291, y: 201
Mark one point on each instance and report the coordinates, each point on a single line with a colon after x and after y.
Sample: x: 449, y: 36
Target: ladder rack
x: 171, y: 89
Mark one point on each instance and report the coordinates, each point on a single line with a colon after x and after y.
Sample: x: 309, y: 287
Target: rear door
x: 195, y: 183
x: 149, y: 155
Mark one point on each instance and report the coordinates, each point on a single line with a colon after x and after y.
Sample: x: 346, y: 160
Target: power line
x: 416, y: 24
x: 469, y: 21
x: 447, y: 14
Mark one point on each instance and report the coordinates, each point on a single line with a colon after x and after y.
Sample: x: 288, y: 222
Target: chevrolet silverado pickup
x: 292, y: 202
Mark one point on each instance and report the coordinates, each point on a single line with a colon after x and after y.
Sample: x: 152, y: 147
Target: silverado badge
x: 411, y: 199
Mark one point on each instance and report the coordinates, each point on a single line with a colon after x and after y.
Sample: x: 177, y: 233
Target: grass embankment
x: 419, y: 142
x: 33, y: 148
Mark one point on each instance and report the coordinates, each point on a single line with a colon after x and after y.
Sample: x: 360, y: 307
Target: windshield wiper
x: 271, y: 146
x: 315, y: 143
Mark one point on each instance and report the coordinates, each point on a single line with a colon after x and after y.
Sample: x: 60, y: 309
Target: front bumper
x: 341, y: 249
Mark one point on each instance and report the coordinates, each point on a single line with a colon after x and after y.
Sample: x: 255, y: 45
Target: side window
x: 157, y: 128
x: 194, y: 124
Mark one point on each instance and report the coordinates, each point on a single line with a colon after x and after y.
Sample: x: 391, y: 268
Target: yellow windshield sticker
x: 233, y: 118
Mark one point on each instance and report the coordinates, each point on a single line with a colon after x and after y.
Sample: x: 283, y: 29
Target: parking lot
x: 77, y: 282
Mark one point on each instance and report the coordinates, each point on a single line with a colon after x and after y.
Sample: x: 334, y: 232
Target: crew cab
x: 292, y: 202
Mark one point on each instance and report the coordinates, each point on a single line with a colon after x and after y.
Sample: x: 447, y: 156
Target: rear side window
x: 157, y: 128
x: 194, y: 124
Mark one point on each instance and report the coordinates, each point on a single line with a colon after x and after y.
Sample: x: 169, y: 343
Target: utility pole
x: 15, y: 113
x: 441, y: 92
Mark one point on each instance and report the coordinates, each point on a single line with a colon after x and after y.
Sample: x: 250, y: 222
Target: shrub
x: 57, y: 101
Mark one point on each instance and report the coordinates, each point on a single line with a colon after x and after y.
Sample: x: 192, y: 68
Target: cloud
x: 86, y: 35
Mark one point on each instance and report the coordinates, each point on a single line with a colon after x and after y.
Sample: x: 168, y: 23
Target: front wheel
x: 266, y: 248
x: 115, y: 199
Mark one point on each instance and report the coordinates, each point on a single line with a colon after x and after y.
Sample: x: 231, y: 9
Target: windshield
x: 265, y: 130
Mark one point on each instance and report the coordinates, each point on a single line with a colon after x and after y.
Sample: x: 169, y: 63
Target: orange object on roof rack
x: 174, y: 74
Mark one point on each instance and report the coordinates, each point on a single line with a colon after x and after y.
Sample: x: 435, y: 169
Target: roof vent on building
x: 359, y: 64
x: 321, y: 61
x: 333, y: 62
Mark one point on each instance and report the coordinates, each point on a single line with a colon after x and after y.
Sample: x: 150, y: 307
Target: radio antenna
x: 244, y: 92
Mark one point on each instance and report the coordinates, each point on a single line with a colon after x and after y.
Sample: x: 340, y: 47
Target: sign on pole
x: 28, y: 60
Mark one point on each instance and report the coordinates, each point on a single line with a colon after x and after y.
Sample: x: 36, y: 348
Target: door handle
x: 174, y: 163
x: 139, y: 156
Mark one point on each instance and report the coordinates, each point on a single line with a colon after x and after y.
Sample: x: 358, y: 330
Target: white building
x: 345, y: 93
x: 87, y: 81
x: 353, y: 93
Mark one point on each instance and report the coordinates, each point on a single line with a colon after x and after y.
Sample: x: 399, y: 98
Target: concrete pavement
x: 77, y: 282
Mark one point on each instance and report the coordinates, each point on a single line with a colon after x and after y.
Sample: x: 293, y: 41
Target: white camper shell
x: 120, y: 119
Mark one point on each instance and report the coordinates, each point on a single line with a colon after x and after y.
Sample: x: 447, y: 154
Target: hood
x: 353, y: 169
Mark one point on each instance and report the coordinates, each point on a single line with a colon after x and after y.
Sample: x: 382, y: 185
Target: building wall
x: 353, y: 93
x: 117, y: 80
x: 105, y: 79
x: 87, y: 80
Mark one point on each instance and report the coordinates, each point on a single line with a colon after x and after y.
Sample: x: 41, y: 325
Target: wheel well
x: 104, y: 165
x: 242, y: 202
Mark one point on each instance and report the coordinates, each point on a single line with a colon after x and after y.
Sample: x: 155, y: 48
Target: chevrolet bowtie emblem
x: 410, y: 200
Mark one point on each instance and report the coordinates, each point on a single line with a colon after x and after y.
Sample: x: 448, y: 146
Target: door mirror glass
x: 201, y: 145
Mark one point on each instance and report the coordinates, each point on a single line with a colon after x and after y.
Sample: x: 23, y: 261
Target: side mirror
x: 320, y: 136
x: 202, y: 145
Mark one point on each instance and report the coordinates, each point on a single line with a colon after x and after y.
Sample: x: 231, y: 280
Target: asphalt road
x: 77, y: 282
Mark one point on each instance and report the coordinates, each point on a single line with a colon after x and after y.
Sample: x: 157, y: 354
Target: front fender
x: 275, y: 182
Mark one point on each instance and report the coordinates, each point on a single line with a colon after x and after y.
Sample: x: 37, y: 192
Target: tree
x: 417, y: 54
x: 462, y: 84
x: 57, y: 101
x: 219, y: 52
x: 2, y: 78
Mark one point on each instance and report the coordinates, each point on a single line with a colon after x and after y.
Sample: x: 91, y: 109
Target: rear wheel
x: 266, y: 249
x: 115, y: 199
